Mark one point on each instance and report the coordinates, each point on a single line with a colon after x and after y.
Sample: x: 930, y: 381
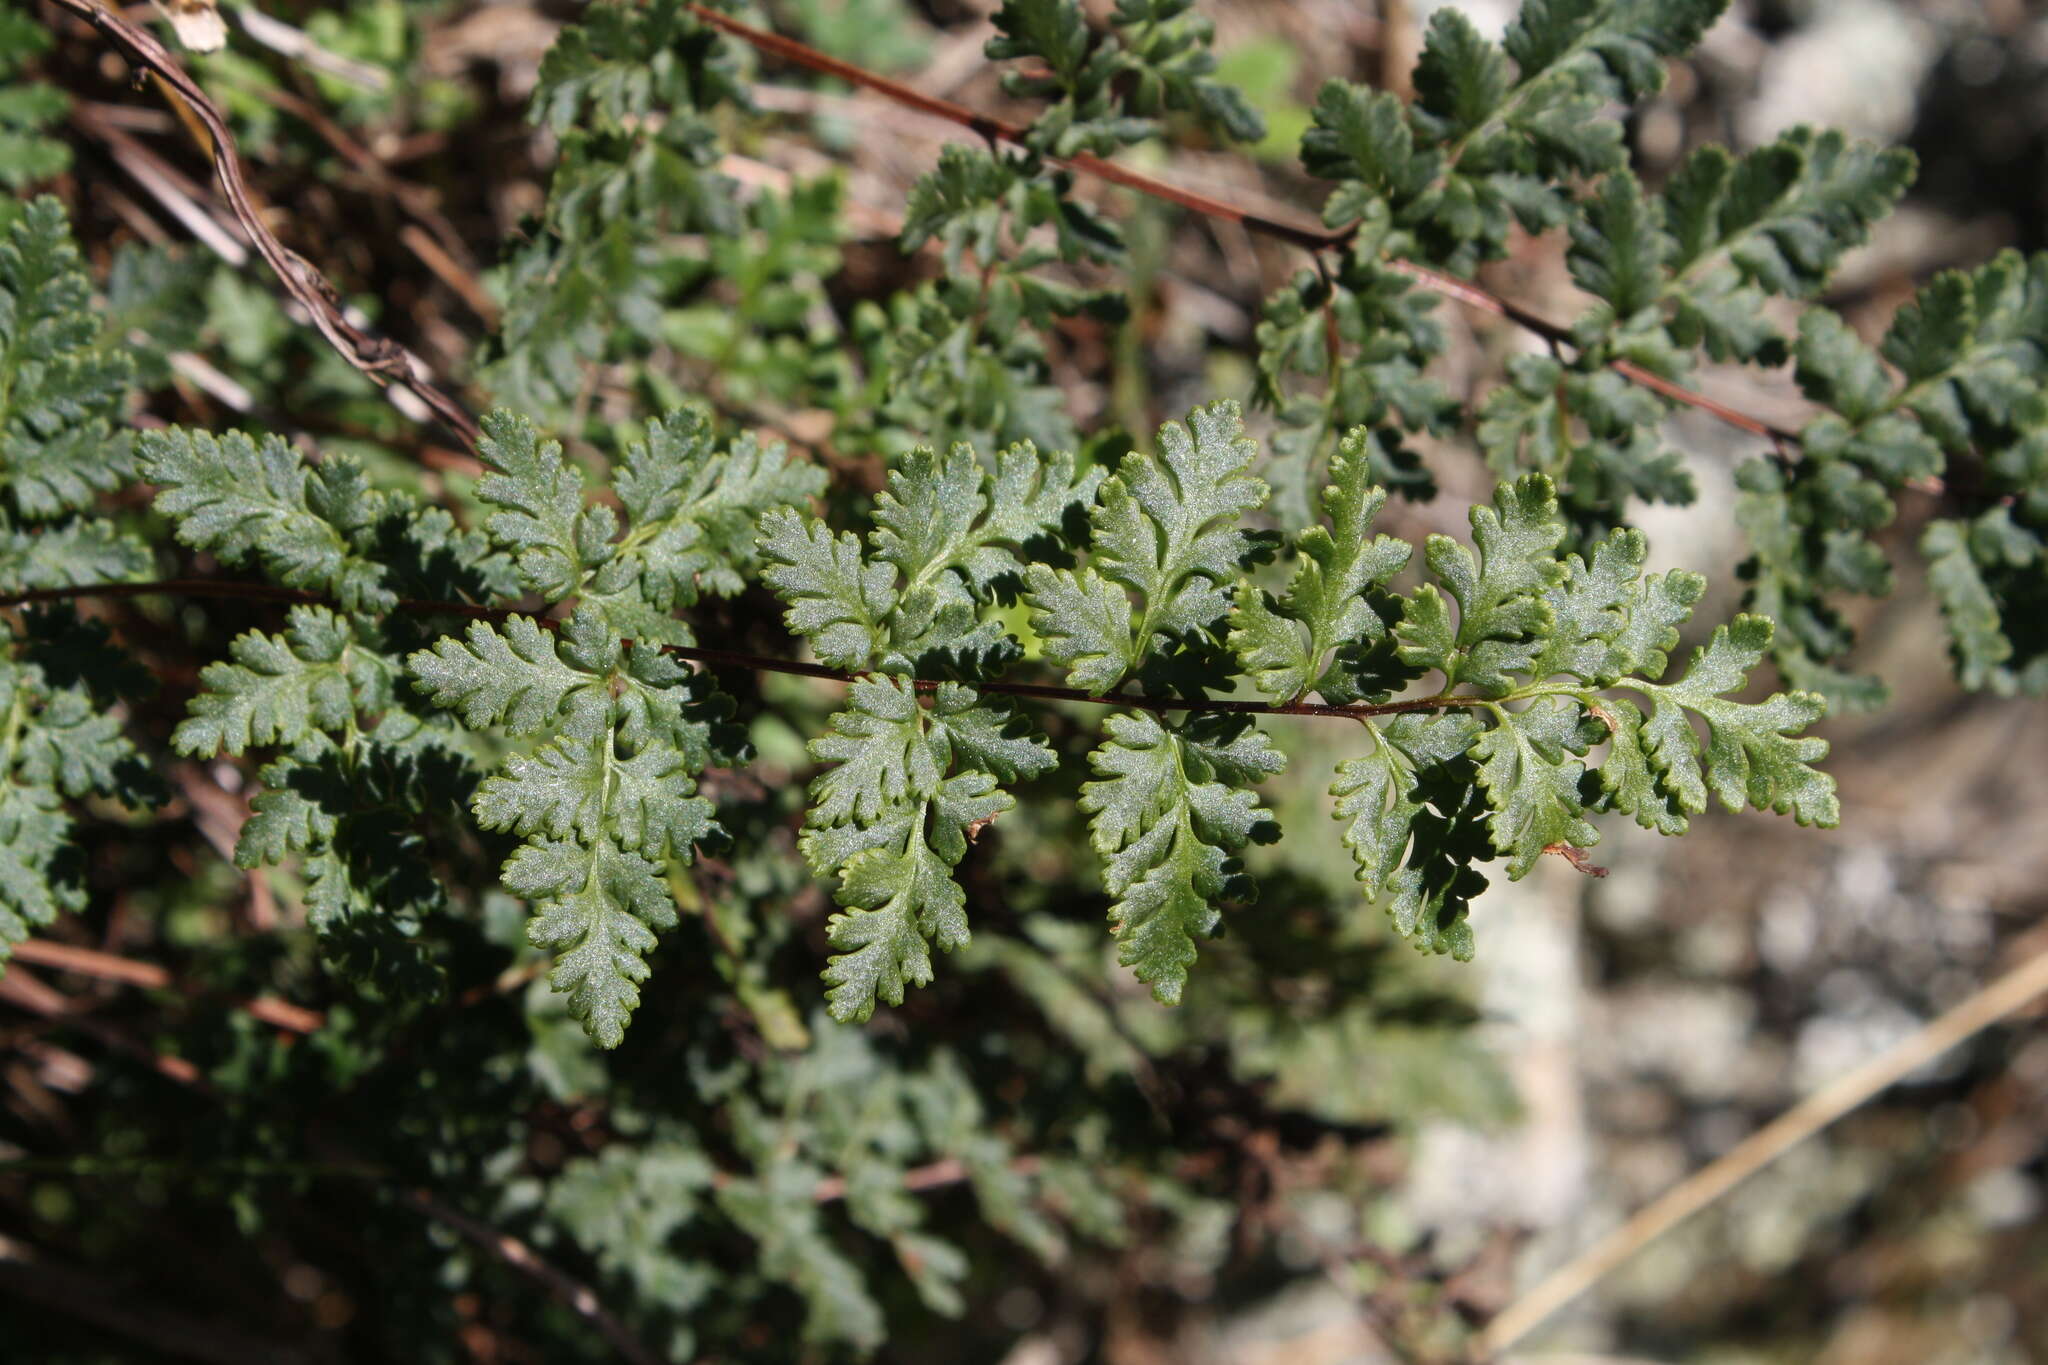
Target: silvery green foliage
x: 1103, y: 88
x: 60, y: 741
x: 356, y: 767
x: 966, y: 354
x: 63, y: 380
x: 1024, y: 635
x: 1544, y: 638
x: 1952, y: 392
x: 612, y: 730
x: 1494, y: 137
x: 1544, y: 643
x: 1530, y: 643
x: 914, y: 782
x: 1497, y: 133
x: 633, y: 92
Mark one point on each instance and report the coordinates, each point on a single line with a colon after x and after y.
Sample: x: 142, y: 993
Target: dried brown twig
x: 65, y: 957
x: 383, y: 361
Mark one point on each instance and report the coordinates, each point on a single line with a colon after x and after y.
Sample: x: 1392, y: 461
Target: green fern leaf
x: 882, y: 755
x: 1608, y: 621
x: 1084, y: 622
x: 1614, y: 49
x: 1775, y: 221
x: 1630, y: 778
x: 1053, y: 31
x: 953, y: 537
x: 894, y: 816
x: 1080, y: 75
x: 598, y: 908
x: 691, y: 510
x: 1752, y: 757
x: 1376, y: 805
x: 1165, y: 529
x: 1502, y: 611
x: 604, y: 799
x: 34, y: 886
x: 837, y: 599
x: 1362, y: 139
x: 1169, y: 52
x: 27, y: 153
x: 1976, y: 631
x: 512, y: 676
x: 968, y: 199
x: 280, y: 689
x: 1460, y: 79
x: 1836, y: 369
x: 75, y: 553
x: 1168, y: 810
x: 57, y: 742
x: 310, y: 526
x: 898, y: 900
x: 1619, y: 247
x: 1532, y: 781
x: 779, y: 1210
x: 624, y: 61
x: 579, y: 785
x: 61, y: 388
x: 543, y: 520
x: 1287, y: 647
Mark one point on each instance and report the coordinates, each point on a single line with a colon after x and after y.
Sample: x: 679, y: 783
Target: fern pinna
x: 1160, y: 617
x: 1536, y: 655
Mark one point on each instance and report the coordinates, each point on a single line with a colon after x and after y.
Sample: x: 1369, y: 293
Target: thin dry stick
x: 760, y: 663
x: 383, y: 361
x: 936, y: 1175
x: 297, y: 45
x: 2005, y: 996
x: 577, y: 1295
x: 18, y: 987
x: 1313, y: 239
x: 89, y: 962
x: 64, y: 957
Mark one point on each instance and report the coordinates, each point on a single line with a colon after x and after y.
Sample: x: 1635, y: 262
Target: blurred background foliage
x: 1336, y: 1150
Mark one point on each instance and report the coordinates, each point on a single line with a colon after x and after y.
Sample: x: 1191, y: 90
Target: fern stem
x: 730, y: 658
x: 384, y: 363
x: 1308, y: 238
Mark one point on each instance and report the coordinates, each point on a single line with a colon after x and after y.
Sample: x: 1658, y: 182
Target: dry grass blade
x: 2005, y: 996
